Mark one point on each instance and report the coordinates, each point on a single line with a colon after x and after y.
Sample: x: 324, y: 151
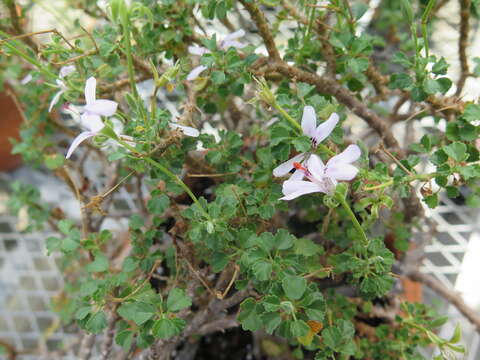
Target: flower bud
x: 264, y: 92
x: 169, y: 75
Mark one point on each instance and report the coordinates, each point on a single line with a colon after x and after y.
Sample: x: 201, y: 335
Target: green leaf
x: 218, y: 77
x: 358, y: 65
x: 469, y: 172
x: 271, y: 321
x: 166, y: 328
x: 294, y: 286
x: 83, y: 312
x: 401, y: 81
x: 271, y: 303
x: 456, y: 150
x: 431, y: 201
x: 136, y: 222
x: 158, y: 205
x: 440, y: 67
x: 54, y: 161
x: 307, y: 247
x: 471, y: 112
x: 53, y: 244
x: 262, y: 270
x: 178, y: 300
x: 439, y: 157
x: 302, y: 143
x: 124, y: 339
x: 284, y: 240
x: 139, y: 312
x: 100, y: 264
x: 299, y: 328
x: 452, y: 192
x: 431, y: 86
x: 339, y: 337
x: 248, y: 316
x: 444, y: 83
x: 96, y: 323
x: 358, y: 10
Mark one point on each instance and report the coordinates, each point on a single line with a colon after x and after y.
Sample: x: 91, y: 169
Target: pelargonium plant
x: 276, y: 172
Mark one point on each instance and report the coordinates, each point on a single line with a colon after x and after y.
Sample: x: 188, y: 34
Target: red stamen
x: 299, y: 166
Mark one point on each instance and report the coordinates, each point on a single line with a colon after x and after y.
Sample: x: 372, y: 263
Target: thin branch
x: 259, y: 18
x: 86, y: 347
x: 15, y: 19
x: 109, y: 334
x: 463, y: 43
x: 218, y: 325
x: 448, y: 294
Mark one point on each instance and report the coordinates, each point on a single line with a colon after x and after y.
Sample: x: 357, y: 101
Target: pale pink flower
x: 64, y: 71
x: 26, y: 79
x: 187, y: 130
x: 322, y: 178
x: 91, y: 115
x: 316, y: 133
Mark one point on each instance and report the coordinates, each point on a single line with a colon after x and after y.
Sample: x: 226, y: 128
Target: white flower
x: 64, y: 71
x: 316, y: 133
x: 187, y: 130
x: 229, y: 41
x: 91, y: 115
x: 26, y: 79
x: 322, y: 178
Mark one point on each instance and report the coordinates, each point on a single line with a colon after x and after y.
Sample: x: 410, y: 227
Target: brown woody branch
x: 463, y: 43
x: 263, y: 28
x: 448, y: 294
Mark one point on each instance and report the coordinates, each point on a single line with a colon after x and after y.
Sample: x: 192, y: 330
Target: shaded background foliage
x: 296, y: 277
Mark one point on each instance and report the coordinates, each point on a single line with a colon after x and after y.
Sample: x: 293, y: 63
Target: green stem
x: 170, y: 174
x: 14, y: 49
x: 131, y: 68
x: 287, y: 116
x: 425, y: 18
x: 407, y: 179
x: 356, y: 224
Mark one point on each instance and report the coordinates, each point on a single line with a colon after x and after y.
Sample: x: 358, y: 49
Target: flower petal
x: 316, y: 167
x: 235, y: 35
x: 91, y: 121
x: 309, y: 121
x: 284, y: 168
x: 325, y: 128
x: 198, y: 50
x: 55, y: 99
x: 341, y: 171
x: 232, y: 43
x: 66, y: 70
x: 195, y: 72
x: 297, y: 175
x: 90, y: 87
x: 347, y: 156
x: 78, y: 140
x: 102, y: 107
x: 26, y: 79
x: 187, y: 130
x: 294, y: 188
